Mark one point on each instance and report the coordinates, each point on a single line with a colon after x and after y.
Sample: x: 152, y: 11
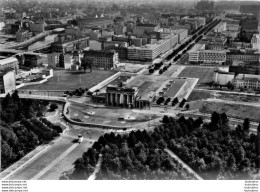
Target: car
x: 80, y: 138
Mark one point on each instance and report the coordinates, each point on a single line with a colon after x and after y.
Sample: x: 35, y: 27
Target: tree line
x: 213, y: 150
x: 21, y: 129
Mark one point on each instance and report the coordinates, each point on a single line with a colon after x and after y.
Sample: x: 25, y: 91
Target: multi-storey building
x: 246, y: 81
x: 101, y: 59
x: 251, y: 68
x: 246, y: 55
x: 8, y: 63
x: 7, y: 81
x: 142, y: 29
x: 65, y: 46
x: 151, y: 51
x: 198, y: 55
x: 222, y: 26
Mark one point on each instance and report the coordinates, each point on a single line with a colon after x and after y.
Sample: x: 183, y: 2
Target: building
x: 223, y: 77
x: 198, y: 55
x: 151, y: 51
x: 9, y: 63
x: 245, y: 68
x: 119, y: 29
x: 54, y: 59
x: 7, y: 81
x: 62, y: 45
x: 194, y: 53
x: 205, y: 5
x: 101, y: 59
x: 253, y: 9
x: 142, y: 29
x: 255, y: 41
x: 32, y: 59
x: 182, y: 34
x: 37, y: 27
x: 246, y: 81
x: 95, y: 45
x: 246, y: 55
x: 23, y: 35
x: 222, y: 26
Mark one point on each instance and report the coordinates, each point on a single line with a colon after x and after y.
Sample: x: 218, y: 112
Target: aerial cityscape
x: 130, y: 90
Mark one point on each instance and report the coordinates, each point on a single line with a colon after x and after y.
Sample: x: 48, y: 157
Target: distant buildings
x: 101, y: 59
x: 246, y: 55
x: 143, y: 29
x: 63, y: 45
x: 38, y: 27
x: 23, y: 35
x: 205, y: 5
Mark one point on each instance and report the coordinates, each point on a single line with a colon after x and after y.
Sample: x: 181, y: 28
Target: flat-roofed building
x: 198, y: 55
x: 7, y: 81
x: 247, y: 81
x: 223, y: 77
x: 63, y: 45
x: 222, y: 26
x: 141, y: 29
x: 101, y: 59
x: 151, y: 51
x: 246, y: 55
x: 10, y: 62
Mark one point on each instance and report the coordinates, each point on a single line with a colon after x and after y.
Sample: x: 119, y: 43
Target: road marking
x: 56, y: 161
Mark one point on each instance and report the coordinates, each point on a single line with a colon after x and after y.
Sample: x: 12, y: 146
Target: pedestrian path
x: 173, y: 155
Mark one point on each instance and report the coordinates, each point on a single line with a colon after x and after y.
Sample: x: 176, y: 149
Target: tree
x: 246, y: 125
x: 53, y: 107
x: 187, y: 106
x: 151, y: 71
x: 160, y: 71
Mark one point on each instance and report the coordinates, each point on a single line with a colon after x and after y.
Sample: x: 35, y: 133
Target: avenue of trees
x: 21, y: 129
x: 213, y: 150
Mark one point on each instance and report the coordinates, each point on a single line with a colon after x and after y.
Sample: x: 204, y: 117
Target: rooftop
x: 8, y: 60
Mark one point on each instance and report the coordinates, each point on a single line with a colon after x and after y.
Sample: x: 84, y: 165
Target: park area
x: 205, y: 74
x: 66, y: 80
x: 107, y: 116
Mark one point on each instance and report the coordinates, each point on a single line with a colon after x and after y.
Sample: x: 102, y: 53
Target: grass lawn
x: 198, y: 95
x: 205, y: 74
x: 66, y: 80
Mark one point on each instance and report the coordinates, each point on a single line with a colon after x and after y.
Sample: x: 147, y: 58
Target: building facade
x: 7, y: 81
x: 101, y: 59
x: 151, y: 51
x: 246, y: 81
x: 9, y: 63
